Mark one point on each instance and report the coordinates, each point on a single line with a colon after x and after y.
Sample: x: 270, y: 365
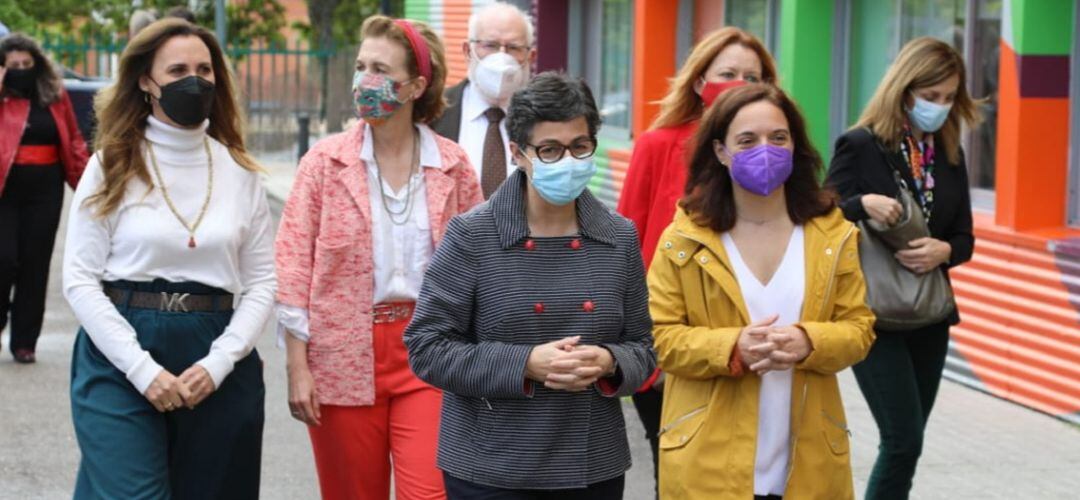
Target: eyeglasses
x: 492, y: 46
x: 551, y: 153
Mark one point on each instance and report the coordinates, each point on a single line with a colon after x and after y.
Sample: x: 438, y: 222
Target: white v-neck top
x: 783, y: 295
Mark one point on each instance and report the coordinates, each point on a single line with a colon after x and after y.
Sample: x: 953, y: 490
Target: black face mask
x: 187, y: 101
x: 22, y: 81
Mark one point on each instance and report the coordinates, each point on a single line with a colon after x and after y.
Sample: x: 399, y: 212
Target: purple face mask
x: 761, y: 169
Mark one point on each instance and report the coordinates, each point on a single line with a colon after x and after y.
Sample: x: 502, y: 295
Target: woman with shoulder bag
x: 909, y: 138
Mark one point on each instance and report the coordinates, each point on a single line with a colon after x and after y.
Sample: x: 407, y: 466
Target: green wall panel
x: 1042, y: 27
x: 805, y: 68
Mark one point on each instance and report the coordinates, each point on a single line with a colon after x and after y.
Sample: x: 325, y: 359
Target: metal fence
x: 278, y: 85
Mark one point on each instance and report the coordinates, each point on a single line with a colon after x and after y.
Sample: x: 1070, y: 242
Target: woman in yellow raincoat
x: 757, y: 301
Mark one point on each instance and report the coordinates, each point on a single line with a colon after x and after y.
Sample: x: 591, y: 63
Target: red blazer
x: 14, y: 112
x: 655, y: 182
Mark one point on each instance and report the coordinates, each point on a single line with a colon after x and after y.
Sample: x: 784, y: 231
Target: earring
x: 146, y: 97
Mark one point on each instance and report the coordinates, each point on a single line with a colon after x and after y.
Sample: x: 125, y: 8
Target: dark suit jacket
x: 449, y: 124
x: 859, y: 167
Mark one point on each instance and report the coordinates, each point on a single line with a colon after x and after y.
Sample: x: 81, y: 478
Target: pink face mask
x: 712, y: 90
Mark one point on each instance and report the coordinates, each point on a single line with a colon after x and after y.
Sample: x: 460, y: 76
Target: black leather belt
x: 170, y: 302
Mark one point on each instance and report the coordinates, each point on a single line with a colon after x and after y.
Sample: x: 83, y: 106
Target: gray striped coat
x: 488, y: 297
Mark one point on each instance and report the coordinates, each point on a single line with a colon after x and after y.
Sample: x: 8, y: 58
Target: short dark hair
x: 550, y: 97
x: 49, y: 83
x: 181, y: 12
x: 709, y: 198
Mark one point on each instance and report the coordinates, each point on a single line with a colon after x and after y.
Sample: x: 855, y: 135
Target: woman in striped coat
x: 533, y: 318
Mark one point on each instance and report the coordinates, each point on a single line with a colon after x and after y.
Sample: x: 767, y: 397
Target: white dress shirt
x: 400, y: 252
x: 142, y: 240
x: 783, y: 295
x: 474, y: 127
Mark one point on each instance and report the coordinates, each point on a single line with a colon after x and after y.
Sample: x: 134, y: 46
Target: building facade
x: 1020, y: 296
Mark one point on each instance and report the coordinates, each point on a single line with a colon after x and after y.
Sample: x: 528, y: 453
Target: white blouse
x: 400, y: 252
x: 783, y: 295
x: 142, y: 240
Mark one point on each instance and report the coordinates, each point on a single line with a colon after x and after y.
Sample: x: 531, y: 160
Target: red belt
x: 37, y: 155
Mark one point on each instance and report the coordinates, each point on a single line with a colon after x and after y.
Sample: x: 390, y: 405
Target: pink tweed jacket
x: 324, y: 255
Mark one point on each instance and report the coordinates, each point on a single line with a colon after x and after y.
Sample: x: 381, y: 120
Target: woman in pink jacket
x: 367, y: 208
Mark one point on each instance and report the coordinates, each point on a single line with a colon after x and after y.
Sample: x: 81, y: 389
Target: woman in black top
x: 40, y: 148
x: 913, y: 122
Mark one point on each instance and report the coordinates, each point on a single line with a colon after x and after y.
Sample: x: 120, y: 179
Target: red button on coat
x: 588, y: 306
x: 575, y: 245
x: 530, y: 245
x: 539, y: 307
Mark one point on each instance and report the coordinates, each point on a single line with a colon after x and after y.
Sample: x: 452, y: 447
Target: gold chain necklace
x: 168, y: 201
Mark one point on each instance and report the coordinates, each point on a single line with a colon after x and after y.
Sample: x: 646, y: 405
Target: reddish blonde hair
x: 682, y: 104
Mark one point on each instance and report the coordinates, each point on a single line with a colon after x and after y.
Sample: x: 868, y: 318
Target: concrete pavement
x: 977, y: 446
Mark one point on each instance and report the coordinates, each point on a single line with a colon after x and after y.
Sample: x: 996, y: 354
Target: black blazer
x: 449, y: 124
x: 859, y: 167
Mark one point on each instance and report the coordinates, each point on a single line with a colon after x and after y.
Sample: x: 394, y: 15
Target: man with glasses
x: 500, y: 54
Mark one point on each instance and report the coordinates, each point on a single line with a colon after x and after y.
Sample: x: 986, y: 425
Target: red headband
x: 419, y: 47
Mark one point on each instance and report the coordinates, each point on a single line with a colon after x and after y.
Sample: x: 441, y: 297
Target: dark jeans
x: 29, y: 215
x: 648, y: 405
x: 458, y: 489
x: 900, y: 379
x: 129, y: 450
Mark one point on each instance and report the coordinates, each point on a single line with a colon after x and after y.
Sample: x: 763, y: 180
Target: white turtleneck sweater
x: 142, y: 240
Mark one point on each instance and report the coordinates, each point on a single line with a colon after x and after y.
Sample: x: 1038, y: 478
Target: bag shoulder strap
x: 891, y: 161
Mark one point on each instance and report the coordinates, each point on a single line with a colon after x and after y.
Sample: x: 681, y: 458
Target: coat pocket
x: 330, y: 317
x: 681, y: 430
x: 836, y: 433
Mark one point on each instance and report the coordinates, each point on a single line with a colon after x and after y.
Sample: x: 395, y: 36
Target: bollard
x: 303, y: 122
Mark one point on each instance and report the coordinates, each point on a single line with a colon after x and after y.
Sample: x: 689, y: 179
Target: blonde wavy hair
x: 122, y: 110
x: 923, y: 62
x: 681, y: 104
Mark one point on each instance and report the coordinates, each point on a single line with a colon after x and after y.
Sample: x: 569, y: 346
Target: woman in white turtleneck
x: 168, y: 265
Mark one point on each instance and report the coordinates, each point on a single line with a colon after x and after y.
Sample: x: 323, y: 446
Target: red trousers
x: 355, y: 445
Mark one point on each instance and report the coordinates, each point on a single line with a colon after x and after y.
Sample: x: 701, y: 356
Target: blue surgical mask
x: 928, y: 116
x: 563, y: 181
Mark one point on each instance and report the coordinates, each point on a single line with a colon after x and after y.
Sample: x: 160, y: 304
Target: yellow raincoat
x: 709, y: 423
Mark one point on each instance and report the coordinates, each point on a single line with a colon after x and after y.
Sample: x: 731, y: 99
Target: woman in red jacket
x: 725, y: 58
x: 40, y: 148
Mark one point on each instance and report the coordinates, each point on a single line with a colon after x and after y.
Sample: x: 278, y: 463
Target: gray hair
x: 474, y: 19
x: 140, y: 19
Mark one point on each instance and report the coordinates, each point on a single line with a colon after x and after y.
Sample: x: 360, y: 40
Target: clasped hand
x: 764, y: 347
x: 168, y: 392
x: 568, y: 366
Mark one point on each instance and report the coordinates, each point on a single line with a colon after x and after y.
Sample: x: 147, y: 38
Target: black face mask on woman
x: 187, y: 101
x: 23, y: 81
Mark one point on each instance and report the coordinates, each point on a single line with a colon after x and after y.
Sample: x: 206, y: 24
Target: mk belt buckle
x: 174, y: 302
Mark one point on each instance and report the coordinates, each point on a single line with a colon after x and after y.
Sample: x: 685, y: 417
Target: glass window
x: 616, y: 40
x: 750, y: 15
x: 879, y: 29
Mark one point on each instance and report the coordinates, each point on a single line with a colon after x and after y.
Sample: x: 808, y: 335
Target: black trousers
x: 29, y: 216
x: 900, y: 379
x: 458, y: 489
x: 648, y: 405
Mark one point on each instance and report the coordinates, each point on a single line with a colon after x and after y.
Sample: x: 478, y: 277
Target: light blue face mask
x: 563, y: 181
x: 928, y: 116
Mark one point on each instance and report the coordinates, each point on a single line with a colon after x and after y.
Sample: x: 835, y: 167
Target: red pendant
x: 191, y: 242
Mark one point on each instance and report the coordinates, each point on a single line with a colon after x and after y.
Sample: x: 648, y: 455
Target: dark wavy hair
x: 49, y: 84
x: 709, y: 198
x: 550, y: 97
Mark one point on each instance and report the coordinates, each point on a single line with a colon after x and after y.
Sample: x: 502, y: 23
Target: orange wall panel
x: 455, y: 32
x: 654, y: 58
x: 1032, y: 154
